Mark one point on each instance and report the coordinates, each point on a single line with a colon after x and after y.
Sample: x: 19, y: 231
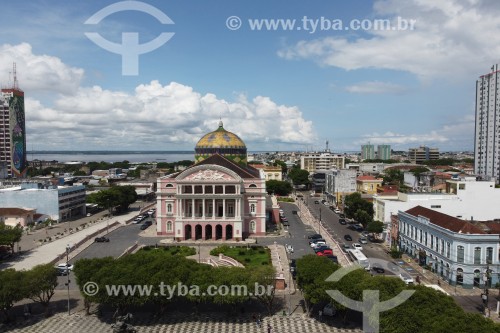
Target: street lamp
x: 68, y: 248
x: 319, y: 222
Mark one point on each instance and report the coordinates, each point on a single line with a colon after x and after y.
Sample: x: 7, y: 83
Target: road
x: 119, y: 240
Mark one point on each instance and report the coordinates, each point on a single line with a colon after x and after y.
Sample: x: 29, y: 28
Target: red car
x: 326, y: 252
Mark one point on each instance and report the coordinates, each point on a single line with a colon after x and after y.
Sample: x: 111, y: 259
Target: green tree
x: 363, y: 217
x: 393, y: 177
x: 278, y: 187
x: 10, y: 235
x: 11, y: 290
x: 40, y: 283
x: 299, y: 176
x: 353, y: 203
x: 282, y: 164
x: 375, y: 227
x: 264, y: 277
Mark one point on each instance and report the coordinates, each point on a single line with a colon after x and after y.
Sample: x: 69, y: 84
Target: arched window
x: 169, y: 208
x: 460, y: 254
x: 252, y: 185
x: 169, y: 185
x: 169, y: 226
x: 252, y: 226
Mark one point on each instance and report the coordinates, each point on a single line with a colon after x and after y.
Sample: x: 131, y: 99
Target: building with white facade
x: 58, y: 202
x: 487, y: 129
x: 218, y: 198
x: 339, y: 183
x: 465, y: 198
x: 456, y: 250
x: 322, y: 161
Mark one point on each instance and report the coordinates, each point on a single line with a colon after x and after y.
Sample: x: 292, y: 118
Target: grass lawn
x: 249, y: 257
x: 172, y: 250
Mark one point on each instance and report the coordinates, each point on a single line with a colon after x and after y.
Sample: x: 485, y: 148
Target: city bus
x: 359, y: 258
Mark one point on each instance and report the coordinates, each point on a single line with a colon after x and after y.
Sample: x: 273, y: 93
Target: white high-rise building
x: 487, y: 131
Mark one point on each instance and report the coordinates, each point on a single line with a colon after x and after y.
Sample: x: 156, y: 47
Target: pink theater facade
x: 216, y: 199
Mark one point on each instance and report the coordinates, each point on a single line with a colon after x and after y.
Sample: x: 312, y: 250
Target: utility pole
x: 484, y: 296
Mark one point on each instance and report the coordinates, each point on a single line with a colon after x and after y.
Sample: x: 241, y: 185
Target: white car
x: 406, y: 278
x: 357, y: 246
x: 318, y: 243
x: 337, y: 211
x: 65, y: 265
x: 289, y: 248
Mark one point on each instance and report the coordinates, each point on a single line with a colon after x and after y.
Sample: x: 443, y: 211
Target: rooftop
x: 445, y: 221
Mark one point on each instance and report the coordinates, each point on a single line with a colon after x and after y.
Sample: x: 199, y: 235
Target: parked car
x: 329, y: 310
x: 146, y: 225
x: 365, y: 234
x: 342, y: 221
x: 342, y: 216
x: 65, y: 265
x: 321, y: 248
x: 318, y: 242
x: 348, y: 238
x: 337, y: 211
x: 363, y: 240
x: 325, y: 252
x: 406, y: 278
x: 285, y: 223
x: 378, y: 268
x: 333, y: 258
x: 101, y: 239
x: 345, y: 247
x: 284, y: 219
x: 293, y: 264
x: 357, y: 246
x: 62, y: 271
x: 289, y: 248
x: 316, y: 202
x: 315, y: 236
x: 315, y: 240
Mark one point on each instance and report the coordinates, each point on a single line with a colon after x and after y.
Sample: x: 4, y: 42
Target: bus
x: 359, y: 258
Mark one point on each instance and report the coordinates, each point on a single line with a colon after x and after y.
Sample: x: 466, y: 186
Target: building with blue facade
x: 58, y: 202
x: 457, y: 250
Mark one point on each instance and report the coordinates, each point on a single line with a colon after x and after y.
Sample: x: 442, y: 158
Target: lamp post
x: 319, y: 221
x: 68, y: 248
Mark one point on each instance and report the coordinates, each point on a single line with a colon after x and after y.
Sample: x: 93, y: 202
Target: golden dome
x: 220, y: 138
x: 221, y: 142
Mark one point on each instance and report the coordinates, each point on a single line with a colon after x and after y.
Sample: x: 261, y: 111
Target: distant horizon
x: 134, y: 151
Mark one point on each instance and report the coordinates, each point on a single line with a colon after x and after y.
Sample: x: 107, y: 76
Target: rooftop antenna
x: 14, y: 72
x: 326, y: 145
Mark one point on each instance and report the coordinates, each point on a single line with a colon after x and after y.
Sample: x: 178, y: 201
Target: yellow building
x: 368, y: 184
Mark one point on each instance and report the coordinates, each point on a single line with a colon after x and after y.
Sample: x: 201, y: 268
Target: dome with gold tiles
x: 221, y: 142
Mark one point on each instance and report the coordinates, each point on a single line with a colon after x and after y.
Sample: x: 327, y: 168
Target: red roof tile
x: 445, y: 221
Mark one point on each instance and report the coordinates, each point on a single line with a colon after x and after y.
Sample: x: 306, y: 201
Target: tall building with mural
x: 12, y: 132
x: 218, y: 198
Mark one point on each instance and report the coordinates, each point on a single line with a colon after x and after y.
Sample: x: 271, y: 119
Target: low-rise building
x: 368, y: 184
x: 456, y: 250
x: 423, y: 153
x: 339, y: 183
x: 17, y: 216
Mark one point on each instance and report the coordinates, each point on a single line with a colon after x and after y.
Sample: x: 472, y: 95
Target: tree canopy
x: 116, y: 197
x: 358, y: 208
x: 299, y: 176
x: 10, y: 235
x: 278, y: 187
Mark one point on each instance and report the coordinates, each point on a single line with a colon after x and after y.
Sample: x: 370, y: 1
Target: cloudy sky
x: 328, y: 73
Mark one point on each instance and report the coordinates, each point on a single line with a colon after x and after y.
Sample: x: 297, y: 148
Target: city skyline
x: 279, y: 89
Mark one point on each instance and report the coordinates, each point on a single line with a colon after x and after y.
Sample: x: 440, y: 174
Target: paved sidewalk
x: 184, y: 323
x: 51, y: 251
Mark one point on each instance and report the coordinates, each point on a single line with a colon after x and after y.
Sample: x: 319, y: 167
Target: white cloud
x: 375, y: 87
x: 38, y: 72
x: 452, y: 38
x: 155, y: 116
x: 456, y: 134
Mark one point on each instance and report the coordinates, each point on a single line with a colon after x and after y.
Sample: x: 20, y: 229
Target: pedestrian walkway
x: 183, y: 323
x: 49, y: 252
